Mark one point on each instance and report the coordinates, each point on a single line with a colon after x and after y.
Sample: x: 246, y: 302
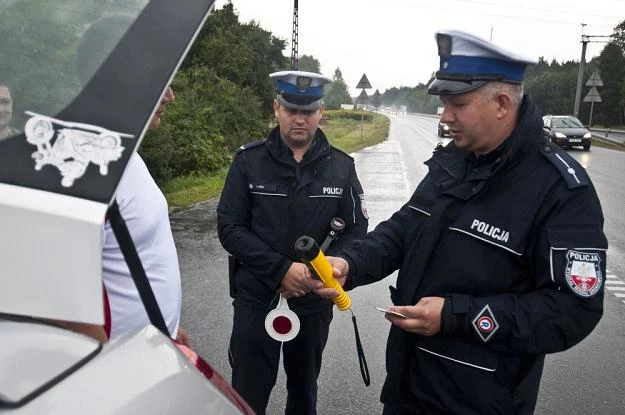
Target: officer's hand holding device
x: 307, y: 248
x: 309, y: 251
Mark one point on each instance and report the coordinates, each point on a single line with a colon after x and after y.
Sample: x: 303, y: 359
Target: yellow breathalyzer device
x: 310, y: 253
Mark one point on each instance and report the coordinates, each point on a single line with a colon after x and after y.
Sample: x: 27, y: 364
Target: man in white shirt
x: 144, y: 209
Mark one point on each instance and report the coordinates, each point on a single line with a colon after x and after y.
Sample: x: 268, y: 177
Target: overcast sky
x: 392, y: 41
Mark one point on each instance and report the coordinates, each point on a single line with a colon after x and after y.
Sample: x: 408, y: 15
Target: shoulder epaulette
x: 572, y: 173
x: 253, y: 144
x: 341, y: 152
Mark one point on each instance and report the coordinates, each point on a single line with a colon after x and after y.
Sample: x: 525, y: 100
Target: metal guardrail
x: 609, y: 135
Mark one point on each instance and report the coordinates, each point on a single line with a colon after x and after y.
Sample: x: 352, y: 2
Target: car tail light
x: 215, y: 378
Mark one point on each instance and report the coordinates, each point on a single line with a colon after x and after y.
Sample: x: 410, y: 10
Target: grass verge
x: 605, y: 144
x: 343, y: 129
x: 187, y: 190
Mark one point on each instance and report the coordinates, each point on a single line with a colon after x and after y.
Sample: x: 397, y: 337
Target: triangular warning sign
x: 364, y: 82
x: 594, y: 80
x: 592, y: 95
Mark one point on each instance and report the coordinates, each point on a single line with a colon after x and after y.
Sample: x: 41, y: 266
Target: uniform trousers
x: 255, y: 357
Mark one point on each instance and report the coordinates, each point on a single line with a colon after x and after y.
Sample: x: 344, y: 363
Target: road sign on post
x: 593, y: 95
x: 376, y: 99
x: 363, y: 97
x: 594, y: 79
x: 363, y: 84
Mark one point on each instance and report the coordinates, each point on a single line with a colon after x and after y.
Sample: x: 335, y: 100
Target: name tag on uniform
x: 267, y: 189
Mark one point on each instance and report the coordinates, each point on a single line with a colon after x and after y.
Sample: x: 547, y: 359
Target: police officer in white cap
x: 501, y: 251
x: 290, y: 184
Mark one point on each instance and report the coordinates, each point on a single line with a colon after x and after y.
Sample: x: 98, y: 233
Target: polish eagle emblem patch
x: 363, y: 206
x: 583, y: 272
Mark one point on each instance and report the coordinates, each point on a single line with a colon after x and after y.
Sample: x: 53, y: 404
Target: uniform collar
x: 281, y: 151
x: 454, y: 161
x: 526, y: 135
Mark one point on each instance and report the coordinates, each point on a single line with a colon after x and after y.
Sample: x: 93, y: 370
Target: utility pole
x: 580, y: 74
x: 294, y: 57
x: 582, y: 63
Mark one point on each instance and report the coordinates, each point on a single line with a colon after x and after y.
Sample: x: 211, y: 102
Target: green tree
x: 223, y: 98
x: 553, y: 86
x: 210, y: 117
x: 309, y: 64
x: 336, y: 93
x: 612, y: 70
x: 242, y: 53
x: 619, y: 36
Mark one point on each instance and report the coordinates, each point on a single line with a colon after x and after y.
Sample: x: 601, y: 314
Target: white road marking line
x: 612, y: 283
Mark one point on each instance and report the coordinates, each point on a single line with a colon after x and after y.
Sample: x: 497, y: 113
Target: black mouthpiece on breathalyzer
x: 306, y: 248
x: 337, y: 225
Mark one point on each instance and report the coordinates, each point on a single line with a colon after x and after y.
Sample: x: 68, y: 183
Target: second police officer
x: 291, y: 183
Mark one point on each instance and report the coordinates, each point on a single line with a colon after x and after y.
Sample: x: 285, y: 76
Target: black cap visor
x: 449, y: 87
x: 300, y: 103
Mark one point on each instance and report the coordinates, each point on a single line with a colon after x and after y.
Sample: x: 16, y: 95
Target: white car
x: 69, y: 143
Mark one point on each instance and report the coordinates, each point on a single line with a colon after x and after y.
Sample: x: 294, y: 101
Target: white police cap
x: 299, y: 89
x: 467, y: 62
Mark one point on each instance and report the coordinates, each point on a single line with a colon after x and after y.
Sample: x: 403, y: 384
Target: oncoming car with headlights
x: 566, y: 131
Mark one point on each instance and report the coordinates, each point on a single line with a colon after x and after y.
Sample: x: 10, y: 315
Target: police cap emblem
x: 303, y: 82
x: 443, y: 42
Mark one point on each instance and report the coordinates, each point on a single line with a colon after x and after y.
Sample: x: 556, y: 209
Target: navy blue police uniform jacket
x: 514, y: 242
x: 269, y: 201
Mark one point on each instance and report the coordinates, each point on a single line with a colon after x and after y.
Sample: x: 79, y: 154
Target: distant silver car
x: 566, y: 131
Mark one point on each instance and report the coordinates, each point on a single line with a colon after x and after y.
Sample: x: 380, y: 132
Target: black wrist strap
x: 364, y: 370
x: 136, y: 268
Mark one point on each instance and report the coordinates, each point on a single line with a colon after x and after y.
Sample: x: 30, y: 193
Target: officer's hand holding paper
x: 423, y: 318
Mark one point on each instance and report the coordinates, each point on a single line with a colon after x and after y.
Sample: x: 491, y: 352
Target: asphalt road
x: 585, y: 379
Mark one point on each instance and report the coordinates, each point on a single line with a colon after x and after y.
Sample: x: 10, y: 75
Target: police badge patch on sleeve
x: 363, y: 206
x: 583, y: 272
